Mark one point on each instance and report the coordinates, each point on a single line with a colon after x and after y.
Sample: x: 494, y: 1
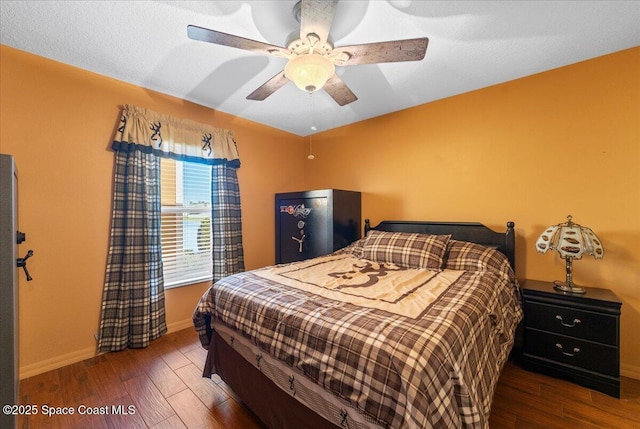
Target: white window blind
x: 186, y: 222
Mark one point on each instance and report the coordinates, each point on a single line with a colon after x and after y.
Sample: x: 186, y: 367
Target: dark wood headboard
x: 474, y: 232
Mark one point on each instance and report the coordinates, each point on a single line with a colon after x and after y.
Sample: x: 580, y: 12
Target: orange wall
x: 479, y: 156
x: 58, y: 122
x: 532, y: 150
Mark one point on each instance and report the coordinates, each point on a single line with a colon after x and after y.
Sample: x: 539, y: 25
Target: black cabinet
x: 315, y: 223
x: 573, y: 336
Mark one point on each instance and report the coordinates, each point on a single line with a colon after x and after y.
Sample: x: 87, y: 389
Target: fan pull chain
x: 313, y: 128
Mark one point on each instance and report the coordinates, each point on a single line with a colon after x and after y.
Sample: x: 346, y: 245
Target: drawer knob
x: 566, y: 325
x: 575, y: 350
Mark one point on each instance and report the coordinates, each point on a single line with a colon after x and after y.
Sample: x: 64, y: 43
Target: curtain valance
x: 181, y: 139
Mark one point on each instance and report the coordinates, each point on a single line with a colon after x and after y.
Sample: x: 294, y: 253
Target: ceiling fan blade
x: 316, y: 17
x: 269, y: 87
x: 339, y: 91
x: 224, y: 39
x: 385, y: 52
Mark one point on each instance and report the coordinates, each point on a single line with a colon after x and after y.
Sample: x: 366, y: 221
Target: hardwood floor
x: 161, y: 387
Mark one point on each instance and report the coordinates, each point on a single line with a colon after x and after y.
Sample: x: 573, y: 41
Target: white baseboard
x: 182, y: 324
x: 56, y: 362
x: 630, y: 371
x: 80, y: 355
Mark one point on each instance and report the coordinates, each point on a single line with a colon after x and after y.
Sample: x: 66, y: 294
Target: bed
x: 408, y: 327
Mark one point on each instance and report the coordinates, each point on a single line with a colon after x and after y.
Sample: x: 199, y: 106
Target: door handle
x: 22, y: 263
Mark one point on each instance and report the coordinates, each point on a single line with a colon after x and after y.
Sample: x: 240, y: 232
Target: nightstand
x: 573, y: 336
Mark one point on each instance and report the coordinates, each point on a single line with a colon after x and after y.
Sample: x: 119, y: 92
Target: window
x: 186, y: 222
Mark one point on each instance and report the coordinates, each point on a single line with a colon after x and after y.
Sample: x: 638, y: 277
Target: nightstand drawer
x: 572, y: 351
x: 572, y: 322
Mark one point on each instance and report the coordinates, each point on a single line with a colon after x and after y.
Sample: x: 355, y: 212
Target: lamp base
x: 568, y: 288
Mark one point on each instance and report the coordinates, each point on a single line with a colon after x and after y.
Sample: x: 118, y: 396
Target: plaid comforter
x: 436, y: 370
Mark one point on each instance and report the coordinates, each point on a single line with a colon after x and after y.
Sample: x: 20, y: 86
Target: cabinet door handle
x: 566, y: 325
x: 575, y: 350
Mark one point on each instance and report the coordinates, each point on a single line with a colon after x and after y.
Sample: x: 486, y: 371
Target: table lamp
x: 571, y: 241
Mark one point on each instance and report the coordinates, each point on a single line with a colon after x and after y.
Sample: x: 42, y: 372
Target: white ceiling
x: 471, y: 45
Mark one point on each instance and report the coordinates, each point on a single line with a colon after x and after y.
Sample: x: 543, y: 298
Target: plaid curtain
x: 228, y: 254
x: 133, y: 312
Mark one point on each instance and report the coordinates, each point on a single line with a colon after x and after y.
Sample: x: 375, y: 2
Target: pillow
x: 354, y: 248
x: 466, y: 256
x: 405, y: 249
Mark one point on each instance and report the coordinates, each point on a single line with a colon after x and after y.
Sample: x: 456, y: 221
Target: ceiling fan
x: 312, y: 58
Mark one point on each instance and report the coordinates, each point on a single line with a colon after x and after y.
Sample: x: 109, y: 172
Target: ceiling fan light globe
x: 309, y: 71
